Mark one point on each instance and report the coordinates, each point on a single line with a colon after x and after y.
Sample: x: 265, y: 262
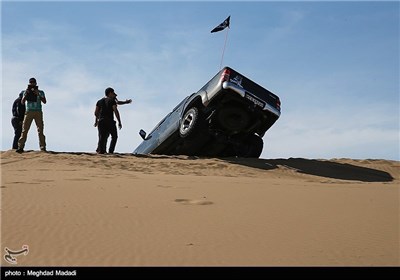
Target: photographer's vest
x: 34, y: 106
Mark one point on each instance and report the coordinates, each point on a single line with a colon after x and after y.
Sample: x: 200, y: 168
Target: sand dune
x: 83, y: 209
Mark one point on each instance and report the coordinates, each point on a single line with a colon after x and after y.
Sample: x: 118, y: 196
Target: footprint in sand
x: 164, y: 186
x: 193, y: 201
x: 77, y: 179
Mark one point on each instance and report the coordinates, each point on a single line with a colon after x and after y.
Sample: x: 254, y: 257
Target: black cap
x: 109, y: 90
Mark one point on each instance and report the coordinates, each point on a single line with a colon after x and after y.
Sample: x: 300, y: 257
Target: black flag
x: 222, y: 26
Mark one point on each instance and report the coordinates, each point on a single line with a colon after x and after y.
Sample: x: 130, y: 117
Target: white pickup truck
x: 227, y: 117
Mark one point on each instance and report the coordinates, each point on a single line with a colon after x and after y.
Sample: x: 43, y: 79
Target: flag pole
x: 223, y: 50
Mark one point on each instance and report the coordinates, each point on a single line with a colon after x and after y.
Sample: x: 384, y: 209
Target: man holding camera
x: 34, y: 98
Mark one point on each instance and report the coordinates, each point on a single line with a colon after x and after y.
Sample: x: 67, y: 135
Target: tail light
x: 225, y: 75
x: 278, y: 104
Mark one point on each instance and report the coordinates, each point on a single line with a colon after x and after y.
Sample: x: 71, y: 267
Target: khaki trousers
x: 29, y: 117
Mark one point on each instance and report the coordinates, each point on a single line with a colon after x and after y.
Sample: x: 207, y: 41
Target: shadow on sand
x: 329, y: 169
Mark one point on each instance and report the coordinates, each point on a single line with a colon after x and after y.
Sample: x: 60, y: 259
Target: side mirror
x: 142, y: 134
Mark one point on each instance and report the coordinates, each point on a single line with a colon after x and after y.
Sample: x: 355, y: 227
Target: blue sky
x: 335, y: 66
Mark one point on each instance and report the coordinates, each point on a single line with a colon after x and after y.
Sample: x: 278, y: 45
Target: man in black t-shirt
x: 104, y: 113
x: 18, y: 112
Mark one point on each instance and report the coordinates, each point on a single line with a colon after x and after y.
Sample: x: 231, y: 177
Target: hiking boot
x: 20, y: 151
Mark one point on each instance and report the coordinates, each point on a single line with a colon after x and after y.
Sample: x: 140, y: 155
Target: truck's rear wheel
x: 189, y: 123
x: 251, y: 147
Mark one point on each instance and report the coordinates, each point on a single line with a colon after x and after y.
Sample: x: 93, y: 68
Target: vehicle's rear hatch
x: 254, y: 89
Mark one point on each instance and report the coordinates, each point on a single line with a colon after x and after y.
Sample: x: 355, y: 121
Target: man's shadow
x: 322, y: 168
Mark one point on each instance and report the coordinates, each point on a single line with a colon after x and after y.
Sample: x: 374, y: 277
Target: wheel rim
x: 187, y: 122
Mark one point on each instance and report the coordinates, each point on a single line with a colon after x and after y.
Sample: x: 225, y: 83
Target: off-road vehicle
x: 227, y: 117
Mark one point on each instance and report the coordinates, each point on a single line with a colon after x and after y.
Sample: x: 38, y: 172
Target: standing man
x: 34, y: 98
x: 104, y: 120
x: 18, y: 112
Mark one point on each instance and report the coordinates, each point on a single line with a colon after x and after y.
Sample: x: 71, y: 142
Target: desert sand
x: 84, y: 209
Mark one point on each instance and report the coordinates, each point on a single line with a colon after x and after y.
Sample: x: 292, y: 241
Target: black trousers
x: 17, y: 124
x: 106, y: 128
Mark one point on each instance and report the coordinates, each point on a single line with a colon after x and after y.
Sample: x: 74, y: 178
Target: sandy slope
x: 82, y: 209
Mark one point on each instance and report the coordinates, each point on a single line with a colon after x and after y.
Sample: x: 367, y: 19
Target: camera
x: 30, y: 93
x: 32, y: 87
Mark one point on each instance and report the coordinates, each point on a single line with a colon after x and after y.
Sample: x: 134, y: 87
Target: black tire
x: 233, y: 119
x: 251, y: 147
x: 190, y: 122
